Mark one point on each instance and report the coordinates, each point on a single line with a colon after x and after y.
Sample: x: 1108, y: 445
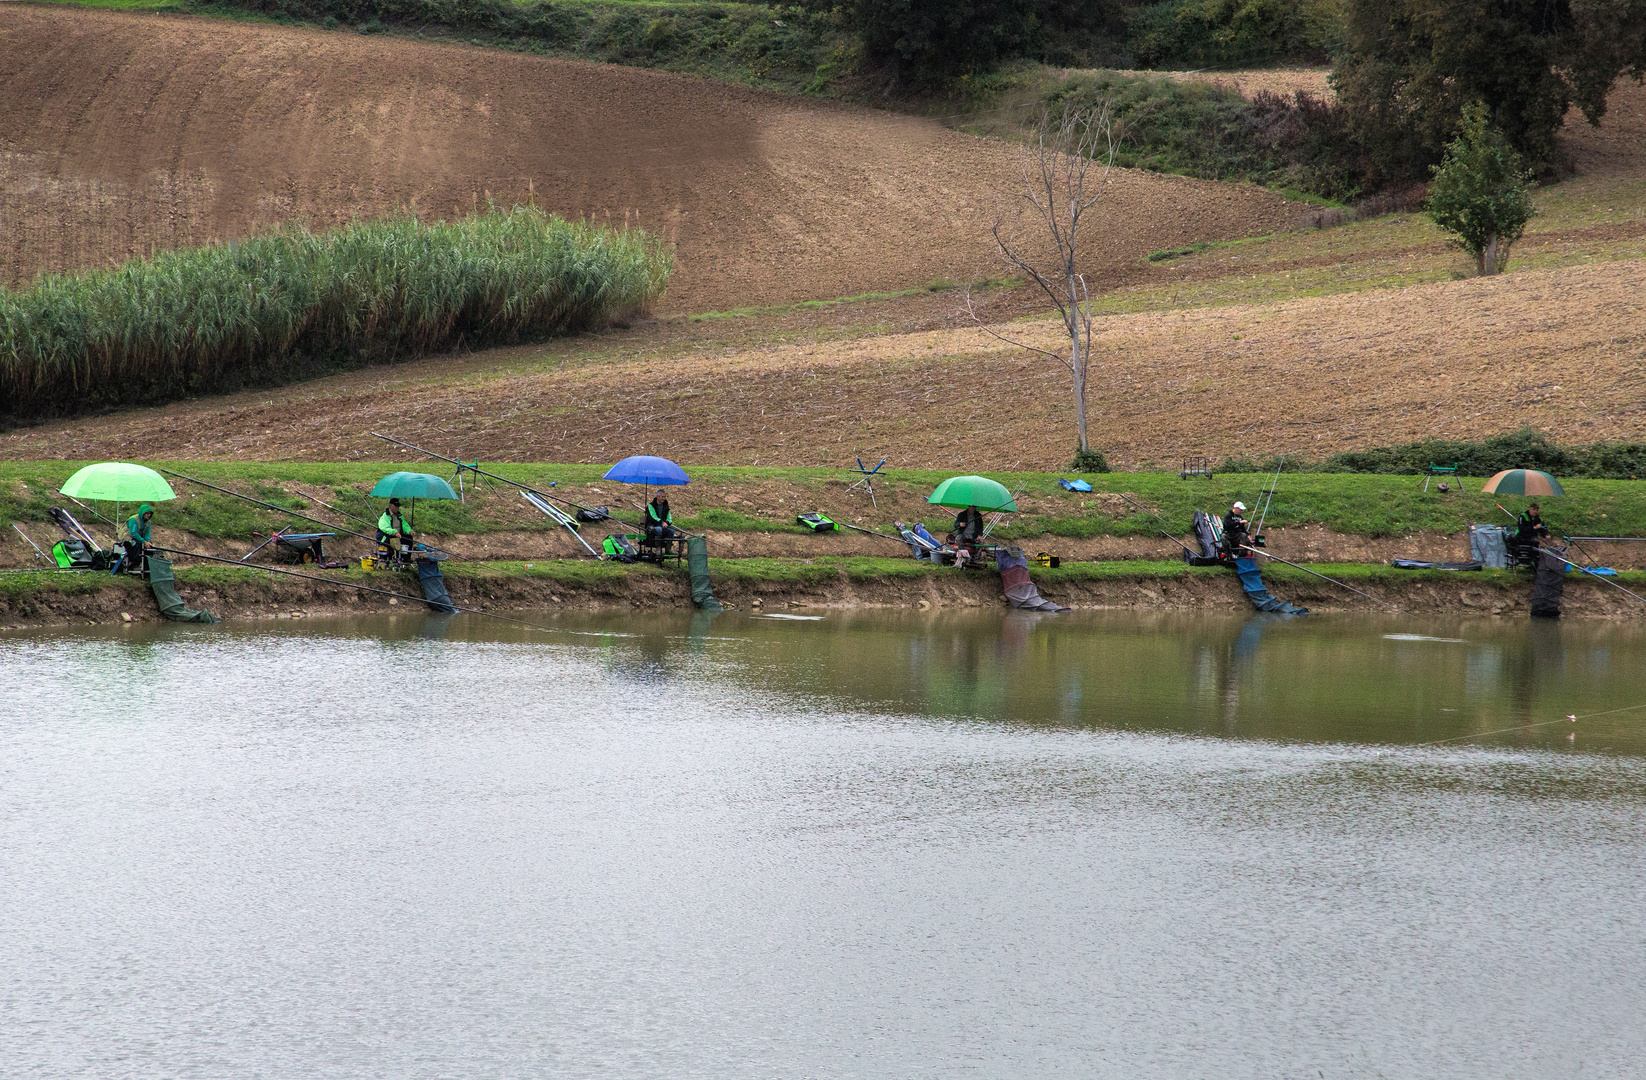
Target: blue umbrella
x: 644, y: 469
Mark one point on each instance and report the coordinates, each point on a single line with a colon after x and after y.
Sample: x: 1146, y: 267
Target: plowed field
x: 122, y: 132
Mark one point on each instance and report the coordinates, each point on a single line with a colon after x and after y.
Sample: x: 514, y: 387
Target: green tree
x: 1407, y: 68
x: 1480, y: 192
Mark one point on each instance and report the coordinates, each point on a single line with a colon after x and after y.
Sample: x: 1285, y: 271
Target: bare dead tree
x: 1063, y: 176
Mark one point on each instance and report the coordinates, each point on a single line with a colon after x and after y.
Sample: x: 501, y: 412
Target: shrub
x: 1480, y: 192
x: 1523, y: 449
x: 286, y: 306
x: 1089, y: 461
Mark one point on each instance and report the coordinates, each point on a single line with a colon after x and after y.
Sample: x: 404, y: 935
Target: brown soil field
x: 120, y: 133
x: 1564, y: 351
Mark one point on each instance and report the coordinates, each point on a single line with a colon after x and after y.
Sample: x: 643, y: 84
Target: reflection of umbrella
x: 978, y: 491
x: 118, y: 481
x: 1523, y: 482
x: 413, y: 486
x: 647, y: 470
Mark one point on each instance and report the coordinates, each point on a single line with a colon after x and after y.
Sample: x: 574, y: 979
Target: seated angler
x: 659, y: 519
x: 1529, y: 528
x: 392, y: 530
x: 968, y: 531
x: 1235, y: 531
x: 140, y: 529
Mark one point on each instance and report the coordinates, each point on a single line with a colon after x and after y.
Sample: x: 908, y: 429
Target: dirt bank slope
x: 120, y: 132
x: 1560, y: 350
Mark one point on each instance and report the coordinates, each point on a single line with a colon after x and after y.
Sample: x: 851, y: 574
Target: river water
x: 859, y: 846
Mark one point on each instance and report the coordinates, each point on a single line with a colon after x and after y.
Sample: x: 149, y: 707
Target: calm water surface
x: 866, y: 846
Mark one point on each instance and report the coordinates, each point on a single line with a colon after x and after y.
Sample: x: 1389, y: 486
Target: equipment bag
x: 598, y: 513
x: 72, y: 555
x: 621, y: 548
x: 817, y: 523
x: 297, y: 552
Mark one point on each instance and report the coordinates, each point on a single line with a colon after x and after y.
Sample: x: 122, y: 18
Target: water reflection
x: 1351, y: 679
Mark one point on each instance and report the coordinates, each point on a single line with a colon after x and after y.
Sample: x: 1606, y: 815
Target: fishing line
x: 1323, y: 577
x: 303, y: 517
x: 1567, y: 719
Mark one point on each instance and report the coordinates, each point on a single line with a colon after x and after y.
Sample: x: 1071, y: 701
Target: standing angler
x: 1235, y: 528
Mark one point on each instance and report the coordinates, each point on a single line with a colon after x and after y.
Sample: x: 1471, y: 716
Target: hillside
x: 119, y: 132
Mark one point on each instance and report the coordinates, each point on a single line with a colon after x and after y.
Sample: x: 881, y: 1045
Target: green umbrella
x: 1523, y: 482
x: 978, y: 491
x: 412, y: 485
x: 118, y: 481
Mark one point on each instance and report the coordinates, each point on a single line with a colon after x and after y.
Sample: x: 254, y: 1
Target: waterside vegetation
x: 295, y: 304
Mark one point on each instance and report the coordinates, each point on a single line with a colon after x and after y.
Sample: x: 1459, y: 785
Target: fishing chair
x: 663, y: 549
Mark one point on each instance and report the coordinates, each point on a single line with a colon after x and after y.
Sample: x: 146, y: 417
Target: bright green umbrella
x: 978, y: 491
x: 118, y: 481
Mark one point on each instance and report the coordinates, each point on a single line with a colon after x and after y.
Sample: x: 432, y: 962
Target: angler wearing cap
x: 1235, y: 529
x: 392, y: 529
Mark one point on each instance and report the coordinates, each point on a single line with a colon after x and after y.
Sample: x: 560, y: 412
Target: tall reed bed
x: 293, y: 304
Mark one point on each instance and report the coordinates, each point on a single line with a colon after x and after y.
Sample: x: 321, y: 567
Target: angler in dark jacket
x: 1529, y: 529
x: 1235, y: 530
x: 968, y: 526
x: 659, y: 519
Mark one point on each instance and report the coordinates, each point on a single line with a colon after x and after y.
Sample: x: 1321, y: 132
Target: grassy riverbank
x: 766, y: 500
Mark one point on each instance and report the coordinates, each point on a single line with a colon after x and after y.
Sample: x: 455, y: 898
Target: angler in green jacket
x: 140, y: 526
x: 393, y: 530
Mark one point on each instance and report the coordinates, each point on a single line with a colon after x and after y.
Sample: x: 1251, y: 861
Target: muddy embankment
x: 98, y: 599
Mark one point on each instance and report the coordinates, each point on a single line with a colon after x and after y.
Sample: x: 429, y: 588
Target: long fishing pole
x: 1323, y: 577
x: 1192, y: 552
x: 293, y: 513
x: 31, y: 543
x: 353, y: 585
x: 871, y: 532
x: 1274, y: 483
x: 477, y: 470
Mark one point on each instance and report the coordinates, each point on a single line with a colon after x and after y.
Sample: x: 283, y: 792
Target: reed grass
x: 292, y: 304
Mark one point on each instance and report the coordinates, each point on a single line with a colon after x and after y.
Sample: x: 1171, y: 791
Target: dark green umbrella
x: 979, y: 491
x: 1523, y: 482
x: 413, y: 486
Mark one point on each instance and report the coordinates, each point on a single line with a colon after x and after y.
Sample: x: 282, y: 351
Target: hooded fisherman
x: 140, y: 530
x: 392, y: 529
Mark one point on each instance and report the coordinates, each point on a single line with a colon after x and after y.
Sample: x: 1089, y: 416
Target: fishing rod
x: 93, y: 510
x: 1192, y: 552
x: 294, y: 513
x: 1274, y: 483
x: 871, y: 532
x: 353, y: 585
x: 31, y: 543
x: 1334, y: 581
x: 478, y: 471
